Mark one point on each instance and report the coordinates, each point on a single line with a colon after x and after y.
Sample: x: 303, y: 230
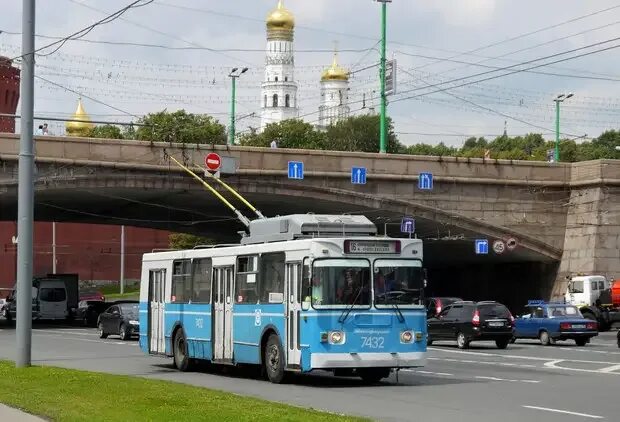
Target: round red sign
x: 213, y: 161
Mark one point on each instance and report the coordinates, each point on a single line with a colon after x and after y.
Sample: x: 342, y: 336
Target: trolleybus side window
x: 271, y: 276
x: 247, y: 279
x: 337, y: 281
x: 201, y: 280
x: 181, y: 281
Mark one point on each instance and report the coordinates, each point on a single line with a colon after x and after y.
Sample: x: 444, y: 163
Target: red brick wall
x: 9, y: 94
x: 91, y: 250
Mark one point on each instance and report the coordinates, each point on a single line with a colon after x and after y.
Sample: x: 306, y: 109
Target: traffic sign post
x: 296, y: 170
x: 425, y: 181
x: 407, y: 225
x: 358, y: 175
x: 482, y: 246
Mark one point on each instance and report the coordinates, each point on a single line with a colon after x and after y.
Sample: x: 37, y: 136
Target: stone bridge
x: 558, y: 213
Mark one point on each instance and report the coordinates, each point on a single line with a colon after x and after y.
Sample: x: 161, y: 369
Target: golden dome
x: 335, y: 72
x: 79, y: 128
x: 280, y: 22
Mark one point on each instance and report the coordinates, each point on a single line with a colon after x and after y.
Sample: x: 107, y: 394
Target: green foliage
x: 186, y: 241
x: 291, y: 133
x: 361, y: 133
x: 105, y: 131
x: 180, y: 126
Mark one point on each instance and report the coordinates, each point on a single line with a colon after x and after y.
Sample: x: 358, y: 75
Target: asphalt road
x: 524, y: 382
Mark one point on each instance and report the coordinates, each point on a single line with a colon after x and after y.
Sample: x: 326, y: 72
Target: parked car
x: 466, y: 321
x: 120, y: 319
x: 4, y: 308
x: 89, y: 310
x: 551, y: 322
x: 434, y: 305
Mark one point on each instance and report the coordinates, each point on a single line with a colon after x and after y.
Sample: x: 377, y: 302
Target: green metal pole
x: 383, y: 122
x: 231, y: 134
x: 557, y: 131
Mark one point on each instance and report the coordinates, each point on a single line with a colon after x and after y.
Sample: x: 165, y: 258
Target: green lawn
x: 70, y: 395
x: 112, y: 292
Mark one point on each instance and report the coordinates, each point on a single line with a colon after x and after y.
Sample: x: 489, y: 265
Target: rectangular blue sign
x: 425, y: 181
x: 407, y: 225
x: 295, y: 170
x: 358, y: 175
x: 482, y: 246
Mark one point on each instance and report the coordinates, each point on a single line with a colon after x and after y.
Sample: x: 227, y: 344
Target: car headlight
x: 336, y: 337
x: 406, y: 337
x: 134, y: 322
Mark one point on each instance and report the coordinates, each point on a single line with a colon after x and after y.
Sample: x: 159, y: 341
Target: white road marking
x: 90, y: 340
x: 610, y: 369
x: 443, y: 374
x: 507, y: 380
x: 567, y: 412
x: 535, y: 358
x: 483, y: 362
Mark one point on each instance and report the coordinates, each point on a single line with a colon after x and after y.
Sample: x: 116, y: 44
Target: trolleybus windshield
x: 337, y: 283
x: 398, y: 282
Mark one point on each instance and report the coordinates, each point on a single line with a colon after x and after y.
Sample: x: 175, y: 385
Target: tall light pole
x: 383, y: 118
x: 25, y: 192
x: 559, y: 99
x: 233, y: 75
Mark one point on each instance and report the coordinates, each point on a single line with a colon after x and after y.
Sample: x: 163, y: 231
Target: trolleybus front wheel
x: 274, y: 360
x: 181, y: 359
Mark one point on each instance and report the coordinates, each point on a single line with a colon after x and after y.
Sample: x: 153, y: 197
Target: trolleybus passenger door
x: 223, y: 292
x: 229, y: 293
x: 293, y: 308
x: 157, y: 339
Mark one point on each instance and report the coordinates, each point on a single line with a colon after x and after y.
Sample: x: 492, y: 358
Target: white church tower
x: 334, y: 95
x: 279, y: 90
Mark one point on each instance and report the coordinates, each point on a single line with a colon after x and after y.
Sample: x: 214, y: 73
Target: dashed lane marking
x: 507, y: 380
x: 567, y: 412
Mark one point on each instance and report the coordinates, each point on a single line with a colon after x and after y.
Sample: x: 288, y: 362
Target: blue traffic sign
x: 295, y: 170
x: 358, y: 175
x: 425, y: 181
x: 407, y: 225
x: 482, y: 246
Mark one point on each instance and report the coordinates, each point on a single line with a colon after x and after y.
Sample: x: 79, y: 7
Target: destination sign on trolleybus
x: 372, y: 246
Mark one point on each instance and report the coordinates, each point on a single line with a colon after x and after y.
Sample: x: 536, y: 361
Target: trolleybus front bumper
x: 367, y: 360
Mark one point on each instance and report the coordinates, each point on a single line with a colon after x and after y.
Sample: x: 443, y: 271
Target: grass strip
x: 70, y: 395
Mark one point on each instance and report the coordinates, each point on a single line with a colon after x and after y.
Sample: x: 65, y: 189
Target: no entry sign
x: 213, y: 161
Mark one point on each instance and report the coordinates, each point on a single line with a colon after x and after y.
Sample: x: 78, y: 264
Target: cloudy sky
x: 181, y: 52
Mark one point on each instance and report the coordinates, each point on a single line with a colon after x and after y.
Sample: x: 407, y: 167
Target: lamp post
x: 559, y: 99
x: 233, y: 75
x: 383, y: 118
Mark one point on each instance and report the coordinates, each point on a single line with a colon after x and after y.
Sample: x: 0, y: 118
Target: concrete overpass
x: 564, y: 216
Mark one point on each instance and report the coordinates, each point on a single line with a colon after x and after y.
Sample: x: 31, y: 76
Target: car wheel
x: 544, y: 338
x: 502, y: 344
x: 181, y: 358
x: 274, y: 360
x: 122, y: 332
x: 461, y: 341
x: 513, y: 340
x: 373, y: 375
x: 102, y: 333
x: 581, y: 342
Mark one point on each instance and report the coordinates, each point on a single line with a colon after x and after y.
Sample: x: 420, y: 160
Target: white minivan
x: 49, y: 300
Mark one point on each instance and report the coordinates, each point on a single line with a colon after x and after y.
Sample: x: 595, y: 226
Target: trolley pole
x: 25, y: 198
x: 383, y: 119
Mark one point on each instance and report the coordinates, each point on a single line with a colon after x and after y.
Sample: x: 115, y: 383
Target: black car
x: 120, y: 319
x: 434, y: 305
x: 472, y: 321
x: 89, y: 310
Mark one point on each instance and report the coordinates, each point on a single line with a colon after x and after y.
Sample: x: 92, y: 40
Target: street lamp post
x: 233, y: 75
x: 383, y: 118
x: 560, y: 98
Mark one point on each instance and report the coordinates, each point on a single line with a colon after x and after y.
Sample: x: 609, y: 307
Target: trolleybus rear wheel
x: 181, y: 359
x: 274, y: 360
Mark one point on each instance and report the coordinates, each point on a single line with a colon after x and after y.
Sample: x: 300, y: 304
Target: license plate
x: 578, y: 326
x: 496, y: 324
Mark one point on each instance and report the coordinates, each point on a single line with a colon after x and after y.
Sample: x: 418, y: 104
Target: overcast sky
x: 135, y: 80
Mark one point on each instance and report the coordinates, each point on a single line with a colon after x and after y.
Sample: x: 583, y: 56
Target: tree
x: 186, y: 241
x: 182, y: 127
x: 106, y: 132
x: 361, y: 133
x: 291, y: 133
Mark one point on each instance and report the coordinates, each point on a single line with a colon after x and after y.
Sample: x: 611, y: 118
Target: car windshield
x: 563, y: 312
x: 340, y: 282
x: 575, y: 286
x: 494, y: 310
x: 398, y: 281
x: 129, y: 309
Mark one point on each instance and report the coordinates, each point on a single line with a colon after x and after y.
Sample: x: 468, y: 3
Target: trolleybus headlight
x: 336, y: 337
x: 406, y: 337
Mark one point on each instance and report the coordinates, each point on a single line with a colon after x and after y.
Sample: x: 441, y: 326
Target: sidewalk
x: 13, y: 415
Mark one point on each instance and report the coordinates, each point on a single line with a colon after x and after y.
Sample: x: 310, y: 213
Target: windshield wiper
x: 348, y: 310
x: 401, y: 318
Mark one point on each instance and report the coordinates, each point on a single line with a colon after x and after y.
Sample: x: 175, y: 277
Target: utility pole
x: 25, y: 195
x: 383, y: 119
x: 122, y: 278
x: 54, y: 247
x: 233, y: 75
x: 560, y: 98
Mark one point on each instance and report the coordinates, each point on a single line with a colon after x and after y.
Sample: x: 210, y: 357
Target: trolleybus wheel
x: 274, y: 360
x: 181, y: 360
x: 373, y: 375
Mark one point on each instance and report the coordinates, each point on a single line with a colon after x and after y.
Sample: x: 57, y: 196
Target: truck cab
x: 586, y: 290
